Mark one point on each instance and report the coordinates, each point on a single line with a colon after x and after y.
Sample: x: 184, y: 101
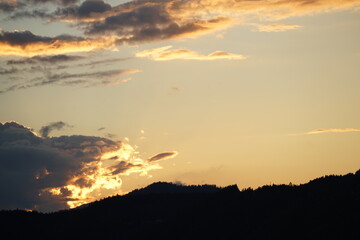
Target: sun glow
x: 101, y: 178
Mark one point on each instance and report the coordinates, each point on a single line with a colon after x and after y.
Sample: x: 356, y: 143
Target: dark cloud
x: 148, y: 23
x: 52, y: 173
x: 25, y: 43
x: 30, y: 164
x: 86, y: 10
x: 162, y: 156
x: 63, y: 2
x: 7, y: 6
x: 45, y: 130
x: 21, y: 38
x: 142, y: 17
x: 24, y: 38
x: 122, y: 167
x: 52, y: 59
x: 37, y: 13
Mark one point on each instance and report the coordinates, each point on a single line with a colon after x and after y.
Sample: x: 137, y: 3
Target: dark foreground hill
x: 324, y: 208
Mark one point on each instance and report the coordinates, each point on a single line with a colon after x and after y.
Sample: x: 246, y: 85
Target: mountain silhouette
x: 170, y: 188
x: 325, y: 208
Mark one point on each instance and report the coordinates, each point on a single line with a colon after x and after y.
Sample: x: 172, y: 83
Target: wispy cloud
x: 8, y: 71
x: 165, y: 54
x: 333, y: 130
x: 276, y: 27
x: 163, y: 156
x: 89, y: 79
x: 50, y: 59
x: 9, y: 6
x: 47, y: 129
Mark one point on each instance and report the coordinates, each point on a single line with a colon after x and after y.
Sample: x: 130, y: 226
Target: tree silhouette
x: 325, y: 208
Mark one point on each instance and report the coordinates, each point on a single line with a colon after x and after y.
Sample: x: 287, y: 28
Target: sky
x: 98, y: 98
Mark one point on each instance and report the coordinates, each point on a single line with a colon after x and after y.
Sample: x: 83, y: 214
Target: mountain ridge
x: 324, y: 208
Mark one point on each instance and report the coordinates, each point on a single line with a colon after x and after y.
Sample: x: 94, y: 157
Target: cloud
x: 276, y: 27
x: 52, y: 63
x: 333, y: 130
x: 60, y: 2
x: 97, y: 75
x: 148, y: 25
x: 262, y: 9
x: 153, y: 51
x: 145, y: 20
x: 165, y: 54
x: 16, y: 8
x: 7, y: 6
x: 89, y: 10
x: 54, y: 173
x: 31, y: 14
x: 8, y: 71
x: 25, y: 43
x: 63, y: 2
x: 163, y: 156
x: 45, y: 130
x: 106, y: 61
x: 52, y: 59
x: 89, y: 79
x: 142, y: 21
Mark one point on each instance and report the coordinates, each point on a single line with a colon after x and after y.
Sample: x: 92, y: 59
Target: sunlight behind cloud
x: 99, y: 178
x: 66, y: 171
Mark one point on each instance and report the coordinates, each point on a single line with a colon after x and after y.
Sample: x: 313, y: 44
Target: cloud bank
x: 52, y: 173
x: 103, y: 26
x: 141, y: 21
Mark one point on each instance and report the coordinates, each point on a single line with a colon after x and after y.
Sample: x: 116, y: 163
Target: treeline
x: 325, y: 208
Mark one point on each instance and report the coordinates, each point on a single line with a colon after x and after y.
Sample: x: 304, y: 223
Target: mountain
x: 170, y: 188
x: 325, y: 208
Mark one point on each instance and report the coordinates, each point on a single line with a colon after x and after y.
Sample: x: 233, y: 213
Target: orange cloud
x: 276, y: 27
x: 136, y: 22
x: 333, y: 130
x: 145, y: 21
x: 24, y: 43
x: 264, y: 9
x: 164, y: 54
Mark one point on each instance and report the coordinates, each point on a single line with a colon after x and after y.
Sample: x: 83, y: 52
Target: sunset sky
x: 109, y: 96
